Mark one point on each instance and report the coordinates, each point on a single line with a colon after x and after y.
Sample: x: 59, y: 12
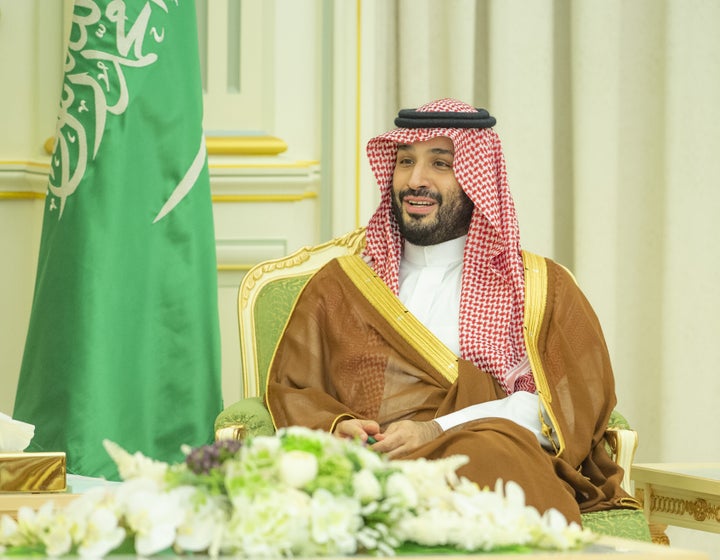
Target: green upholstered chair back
x: 272, y: 309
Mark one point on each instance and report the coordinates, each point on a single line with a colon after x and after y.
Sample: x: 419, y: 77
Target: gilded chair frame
x: 302, y: 263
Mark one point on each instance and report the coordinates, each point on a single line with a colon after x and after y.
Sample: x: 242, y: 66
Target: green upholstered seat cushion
x: 273, y: 306
x: 623, y: 523
x: 250, y: 413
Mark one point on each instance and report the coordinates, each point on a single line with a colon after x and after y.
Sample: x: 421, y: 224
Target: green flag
x: 124, y: 341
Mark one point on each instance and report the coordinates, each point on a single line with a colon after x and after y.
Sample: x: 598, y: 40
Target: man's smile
x: 419, y: 205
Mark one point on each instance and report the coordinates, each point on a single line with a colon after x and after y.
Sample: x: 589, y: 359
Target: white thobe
x: 430, y: 285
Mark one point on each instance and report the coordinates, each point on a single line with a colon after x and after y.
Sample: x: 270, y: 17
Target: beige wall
x: 27, y: 118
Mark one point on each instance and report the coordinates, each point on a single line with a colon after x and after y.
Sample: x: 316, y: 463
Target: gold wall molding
x: 300, y: 164
x: 21, y: 195
x: 232, y: 182
x: 23, y: 180
x: 234, y: 267
x: 226, y: 145
x: 264, y: 197
x: 31, y: 195
x: 245, y: 145
x: 13, y: 165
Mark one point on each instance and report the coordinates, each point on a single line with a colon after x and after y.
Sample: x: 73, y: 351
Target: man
x: 445, y: 338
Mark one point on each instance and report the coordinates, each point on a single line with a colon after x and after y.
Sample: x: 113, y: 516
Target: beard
x: 450, y: 221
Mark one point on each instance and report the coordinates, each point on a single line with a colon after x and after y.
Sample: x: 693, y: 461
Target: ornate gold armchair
x: 266, y: 297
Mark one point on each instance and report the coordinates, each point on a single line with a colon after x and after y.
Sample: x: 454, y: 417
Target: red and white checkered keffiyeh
x: 493, y: 286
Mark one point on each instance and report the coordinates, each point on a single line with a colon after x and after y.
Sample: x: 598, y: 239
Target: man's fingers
x: 403, y: 437
x: 350, y: 429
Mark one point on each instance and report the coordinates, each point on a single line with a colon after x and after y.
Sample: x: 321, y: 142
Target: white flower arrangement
x: 298, y: 493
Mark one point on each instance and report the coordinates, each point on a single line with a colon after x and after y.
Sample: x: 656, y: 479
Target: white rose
x: 367, y: 488
x: 269, y: 444
x: 297, y: 468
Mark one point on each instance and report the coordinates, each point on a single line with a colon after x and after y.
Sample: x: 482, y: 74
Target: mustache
x: 423, y: 192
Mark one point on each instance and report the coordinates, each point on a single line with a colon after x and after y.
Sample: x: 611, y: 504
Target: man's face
x: 427, y: 201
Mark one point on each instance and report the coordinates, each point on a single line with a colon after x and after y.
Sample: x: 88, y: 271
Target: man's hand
x: 356, y: 428
x: 405, y: 436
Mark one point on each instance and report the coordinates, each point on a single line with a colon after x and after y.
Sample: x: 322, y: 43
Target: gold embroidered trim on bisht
x: 392, y: 309
x: 535, y: 302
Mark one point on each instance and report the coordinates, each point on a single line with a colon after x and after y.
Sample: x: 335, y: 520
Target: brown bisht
x: 351, y: 350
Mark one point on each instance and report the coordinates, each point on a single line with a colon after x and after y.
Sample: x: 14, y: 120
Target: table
x: 11, y: 502
x: 681, y: 494
x: 606, y: 548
